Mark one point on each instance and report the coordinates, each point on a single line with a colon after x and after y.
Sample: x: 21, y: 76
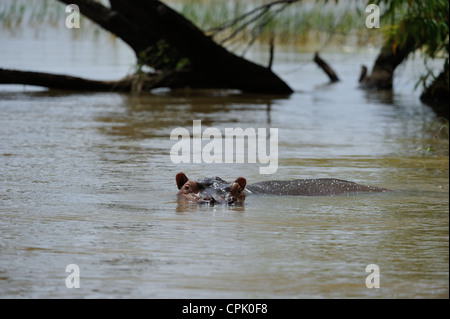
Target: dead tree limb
x: 72, y: 83
x: 63, y: 82
x: 271, y: 51
x: 326, y: 68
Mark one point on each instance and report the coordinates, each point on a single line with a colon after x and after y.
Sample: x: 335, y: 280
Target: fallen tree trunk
x: 139, y: 82
x: 146, y: 24
x: 63, y: 82
x: 211, y: 63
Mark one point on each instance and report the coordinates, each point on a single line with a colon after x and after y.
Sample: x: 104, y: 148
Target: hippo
x: 214, y: 190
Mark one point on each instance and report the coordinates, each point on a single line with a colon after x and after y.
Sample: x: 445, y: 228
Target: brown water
x: 86, y: 179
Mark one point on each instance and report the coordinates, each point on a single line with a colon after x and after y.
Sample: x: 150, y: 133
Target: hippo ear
x: 181, y: 180
x: 242, y: 182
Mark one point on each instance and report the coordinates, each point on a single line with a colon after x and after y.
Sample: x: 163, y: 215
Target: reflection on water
x: 87, y: 180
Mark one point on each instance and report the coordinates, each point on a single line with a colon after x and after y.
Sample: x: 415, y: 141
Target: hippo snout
x: 207, y: 201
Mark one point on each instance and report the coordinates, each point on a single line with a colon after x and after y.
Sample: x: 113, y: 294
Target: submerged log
x: 326, y: 68
x: 363, y: 74
x: 73, y: 83
x: 62, y: 82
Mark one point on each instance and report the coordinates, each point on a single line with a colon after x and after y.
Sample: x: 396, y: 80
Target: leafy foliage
x: 426, y: 22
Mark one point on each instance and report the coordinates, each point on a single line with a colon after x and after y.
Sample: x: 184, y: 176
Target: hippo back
x: 311, y: 187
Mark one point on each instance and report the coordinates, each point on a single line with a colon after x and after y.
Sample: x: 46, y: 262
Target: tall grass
x: 14, y: 13
x: 18, y: 14
x: 309, y: 23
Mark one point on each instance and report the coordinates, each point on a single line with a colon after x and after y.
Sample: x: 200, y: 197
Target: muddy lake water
x: 87, y: 179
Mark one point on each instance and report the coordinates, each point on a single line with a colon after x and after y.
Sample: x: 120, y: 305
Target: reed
x: 310, y: 23
x: 17, y: 14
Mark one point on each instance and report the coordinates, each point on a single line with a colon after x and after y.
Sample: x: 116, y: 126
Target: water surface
x: 87, y: 179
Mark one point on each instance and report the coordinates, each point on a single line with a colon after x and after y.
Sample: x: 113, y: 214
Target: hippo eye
x: 186, y: 188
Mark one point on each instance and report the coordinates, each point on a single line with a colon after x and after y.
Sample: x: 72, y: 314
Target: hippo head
x: 211, y: 190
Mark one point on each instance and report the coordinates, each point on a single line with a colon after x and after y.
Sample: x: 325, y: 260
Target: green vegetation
x: 14, y: 13
x: 427, y: 24
x: 425, y: 21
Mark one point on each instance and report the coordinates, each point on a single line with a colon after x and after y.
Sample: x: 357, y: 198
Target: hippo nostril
x: 207, y: 200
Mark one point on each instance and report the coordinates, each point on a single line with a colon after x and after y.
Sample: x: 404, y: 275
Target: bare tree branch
x: 260, y: 16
